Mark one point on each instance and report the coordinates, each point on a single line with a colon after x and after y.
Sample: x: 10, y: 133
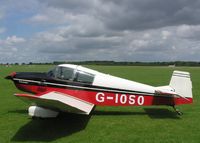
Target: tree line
x: 116, y: 63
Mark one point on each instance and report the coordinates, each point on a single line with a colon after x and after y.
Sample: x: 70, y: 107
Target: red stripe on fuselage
x: 107, y: 98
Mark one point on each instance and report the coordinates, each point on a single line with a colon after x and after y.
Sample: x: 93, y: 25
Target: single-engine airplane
x: 77, y: 89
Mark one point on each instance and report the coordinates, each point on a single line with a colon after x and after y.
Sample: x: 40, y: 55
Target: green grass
x: 106, y: 124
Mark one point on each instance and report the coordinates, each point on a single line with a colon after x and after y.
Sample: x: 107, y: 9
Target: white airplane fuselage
x: 78, y: 89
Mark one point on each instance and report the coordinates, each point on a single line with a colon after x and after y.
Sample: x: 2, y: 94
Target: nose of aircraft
x: 10, y: 76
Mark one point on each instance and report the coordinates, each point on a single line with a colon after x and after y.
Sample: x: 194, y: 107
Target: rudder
x: 181, y: 83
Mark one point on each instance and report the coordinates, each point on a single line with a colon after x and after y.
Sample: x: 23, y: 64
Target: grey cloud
x: 80, y: 45
x: 148, y: 45
x: 134, y: 14
x: 131, y: 30
x: 140, y: 15
x: 75, y: 6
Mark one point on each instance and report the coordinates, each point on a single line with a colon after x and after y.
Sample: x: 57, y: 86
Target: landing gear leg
x: 177, y: 111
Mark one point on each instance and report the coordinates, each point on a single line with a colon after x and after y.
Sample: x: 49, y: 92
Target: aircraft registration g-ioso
x: 76, y: 89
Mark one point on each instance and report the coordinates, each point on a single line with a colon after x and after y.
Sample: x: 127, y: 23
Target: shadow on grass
x: 113, y: 113
x: 21, y: 111
x: 51, y: 129
x: 157, y: 113
x: 66, y: 124
x: 154, y: 113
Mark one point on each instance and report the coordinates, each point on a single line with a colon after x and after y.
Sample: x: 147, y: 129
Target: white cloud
x: 14, y: 39
x: 146, y: 35
x: 50, y: 37
x: 189, y: 32
x: 184, y: 30
x: 13, y: 48
x: 138, y: 43
x: 39, y: 18
x: 165, y: 34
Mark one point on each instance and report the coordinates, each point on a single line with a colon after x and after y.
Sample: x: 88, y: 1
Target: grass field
x: 106, y: 124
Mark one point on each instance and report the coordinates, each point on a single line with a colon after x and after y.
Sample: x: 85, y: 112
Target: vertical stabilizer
x: 181, y: 83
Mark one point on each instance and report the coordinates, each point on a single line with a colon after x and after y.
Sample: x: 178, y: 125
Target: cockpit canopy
x: 71, y: 74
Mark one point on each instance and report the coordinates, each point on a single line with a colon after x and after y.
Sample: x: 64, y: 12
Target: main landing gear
x: 177, y: 111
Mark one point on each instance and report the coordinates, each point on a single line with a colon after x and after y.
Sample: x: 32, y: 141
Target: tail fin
x: 181, y: 83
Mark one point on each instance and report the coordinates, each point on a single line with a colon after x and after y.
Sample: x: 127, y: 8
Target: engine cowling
x: 36, y: 111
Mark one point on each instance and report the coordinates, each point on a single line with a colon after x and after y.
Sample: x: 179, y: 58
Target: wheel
x: 179, y: 113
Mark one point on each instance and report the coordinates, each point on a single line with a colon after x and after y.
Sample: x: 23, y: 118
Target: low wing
x: 59, y: 101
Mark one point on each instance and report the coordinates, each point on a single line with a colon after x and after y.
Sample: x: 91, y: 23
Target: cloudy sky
x: 120, y: 30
